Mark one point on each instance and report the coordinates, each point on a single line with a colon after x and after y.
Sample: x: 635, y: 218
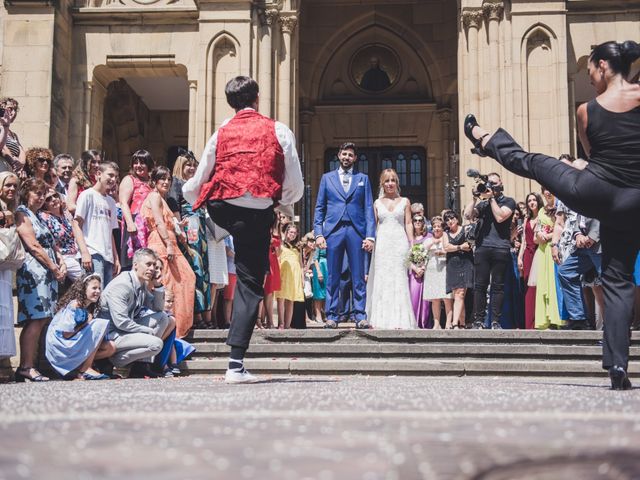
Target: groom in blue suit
x: 344, y: 223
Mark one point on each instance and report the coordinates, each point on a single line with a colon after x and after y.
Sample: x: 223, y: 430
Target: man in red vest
x: 249, y: 166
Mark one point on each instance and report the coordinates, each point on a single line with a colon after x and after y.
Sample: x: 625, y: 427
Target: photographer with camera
x: 492, y: 212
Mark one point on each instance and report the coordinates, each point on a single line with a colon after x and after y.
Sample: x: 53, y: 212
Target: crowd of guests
x: 71, y: 231
x: 115, y: 270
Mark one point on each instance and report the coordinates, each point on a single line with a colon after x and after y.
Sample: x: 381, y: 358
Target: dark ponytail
x: 620, y: 56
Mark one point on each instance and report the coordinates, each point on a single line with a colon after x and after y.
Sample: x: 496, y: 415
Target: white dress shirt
x: 292, y: 186
x: 345, y: 182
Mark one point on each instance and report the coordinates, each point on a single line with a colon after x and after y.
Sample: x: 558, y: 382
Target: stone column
x: 193, y: 102
x: 88, y: 89
x: 268, y: 18
x: 304, y: 142
x: 287, y: 24
x: 493, y: 12
x: 472, y: 20
x: 443, y: 169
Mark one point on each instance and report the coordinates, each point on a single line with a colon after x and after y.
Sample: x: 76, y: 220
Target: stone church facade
x: 395, y: 76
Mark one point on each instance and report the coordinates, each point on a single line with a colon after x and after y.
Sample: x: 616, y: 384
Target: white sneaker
x: 232, y: 376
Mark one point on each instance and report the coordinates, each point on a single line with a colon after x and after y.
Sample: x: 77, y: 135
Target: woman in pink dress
x: 528, y: 248
x: 421, y: 308
x: 134, y: 189
x: 177, y: 276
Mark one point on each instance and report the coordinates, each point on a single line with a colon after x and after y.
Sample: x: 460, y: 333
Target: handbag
x: 308, y: 289
x: 12, y: 254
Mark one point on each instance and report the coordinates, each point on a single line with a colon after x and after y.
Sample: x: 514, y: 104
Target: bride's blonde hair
x: 386, y: 173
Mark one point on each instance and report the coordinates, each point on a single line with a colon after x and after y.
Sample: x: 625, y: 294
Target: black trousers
x: 617, y: 208
x: 490, y: 264
x: 251, y: 233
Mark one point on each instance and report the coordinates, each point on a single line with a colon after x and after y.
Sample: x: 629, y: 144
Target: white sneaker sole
x: 236, y: 381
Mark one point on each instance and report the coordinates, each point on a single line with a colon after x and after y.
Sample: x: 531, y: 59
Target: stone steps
x: 355, y: 350
x: 406, y: 366
x: 347, y: 351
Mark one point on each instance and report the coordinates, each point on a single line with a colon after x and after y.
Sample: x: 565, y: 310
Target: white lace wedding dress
x: 388, y: 299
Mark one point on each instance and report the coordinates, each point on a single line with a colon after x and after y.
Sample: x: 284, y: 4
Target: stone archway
x: 134, y: 107
x: 404, y: 112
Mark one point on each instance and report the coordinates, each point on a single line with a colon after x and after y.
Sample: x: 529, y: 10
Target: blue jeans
x: 569, y: 273
x: 102, y: 268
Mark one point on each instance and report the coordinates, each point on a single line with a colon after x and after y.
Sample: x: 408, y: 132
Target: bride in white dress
x: 388, y: 299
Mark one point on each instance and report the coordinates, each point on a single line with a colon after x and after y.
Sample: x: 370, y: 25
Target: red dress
x: 530, y: 292
x: 272, y: 280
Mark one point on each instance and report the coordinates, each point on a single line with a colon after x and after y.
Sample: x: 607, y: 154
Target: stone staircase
x: 410, y: 352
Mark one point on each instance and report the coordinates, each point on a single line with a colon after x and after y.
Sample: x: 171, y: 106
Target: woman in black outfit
x: 459, y: 265
x: 608, y: 188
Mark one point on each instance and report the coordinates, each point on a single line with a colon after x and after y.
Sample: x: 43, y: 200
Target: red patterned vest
x: 249, y: 158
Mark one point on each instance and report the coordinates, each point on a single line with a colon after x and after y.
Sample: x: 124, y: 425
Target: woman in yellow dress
x: 291, y: 286
x: 547, y: 312
x: 177, y: 276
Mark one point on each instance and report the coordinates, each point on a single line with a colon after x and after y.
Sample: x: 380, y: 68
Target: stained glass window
x: 416, y: 170
x: 401, y: 169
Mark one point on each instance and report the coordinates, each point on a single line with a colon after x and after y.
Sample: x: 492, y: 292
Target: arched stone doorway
x: 375, y: 80
x: 140, y: 108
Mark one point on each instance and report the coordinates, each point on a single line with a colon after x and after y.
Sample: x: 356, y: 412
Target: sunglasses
x: 51, y: 197
x: 43, y: 160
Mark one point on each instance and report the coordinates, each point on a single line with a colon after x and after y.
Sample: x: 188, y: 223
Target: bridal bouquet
x: 418, y: 255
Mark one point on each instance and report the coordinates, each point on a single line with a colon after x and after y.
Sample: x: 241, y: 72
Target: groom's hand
x: 367, y: 245
x: 321, y: 242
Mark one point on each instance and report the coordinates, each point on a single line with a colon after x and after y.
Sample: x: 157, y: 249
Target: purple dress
x: 421, y: 308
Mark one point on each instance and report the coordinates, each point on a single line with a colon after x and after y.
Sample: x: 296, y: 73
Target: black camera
x: 2, y: 110
x: 483, y: 184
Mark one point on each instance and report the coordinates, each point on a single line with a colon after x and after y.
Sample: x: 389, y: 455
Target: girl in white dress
x: 435, y: 275
x: 388, y: 298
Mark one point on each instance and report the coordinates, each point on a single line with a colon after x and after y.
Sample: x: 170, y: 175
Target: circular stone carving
x: 149, y: 2
x: 374, y: 68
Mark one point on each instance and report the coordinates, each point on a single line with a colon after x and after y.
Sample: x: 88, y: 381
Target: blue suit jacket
x: 334, y: 205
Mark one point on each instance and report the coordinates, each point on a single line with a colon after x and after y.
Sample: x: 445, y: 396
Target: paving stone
x: 304, y: 427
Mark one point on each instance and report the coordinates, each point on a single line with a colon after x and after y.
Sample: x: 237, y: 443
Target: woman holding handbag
x: 37, y: 279
x: 11, y: 251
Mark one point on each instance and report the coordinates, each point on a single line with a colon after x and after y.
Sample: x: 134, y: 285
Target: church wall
x: 27, y: 59
x: 61, y: 78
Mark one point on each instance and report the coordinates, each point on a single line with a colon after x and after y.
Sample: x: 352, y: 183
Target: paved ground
x: 320, y: 428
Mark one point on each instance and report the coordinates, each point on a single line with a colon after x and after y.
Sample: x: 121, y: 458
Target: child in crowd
x: 230, y: 289
x: 95, y: 219
x: 174, y: 350
x: 320, y: 275
x: 75, y: 338
x: 272, y: 279
x: 291, y: 287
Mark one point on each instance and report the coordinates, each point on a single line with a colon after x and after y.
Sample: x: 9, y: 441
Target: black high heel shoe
x: 20, y: 376
x: 619, y: 378
x: 470, y: 122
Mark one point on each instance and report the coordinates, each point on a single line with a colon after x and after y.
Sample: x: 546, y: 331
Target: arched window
x: 387, y: 162
x: 401, y: 169
x: 363, y: 164
x: 333, y: 163
x: 416, y: 170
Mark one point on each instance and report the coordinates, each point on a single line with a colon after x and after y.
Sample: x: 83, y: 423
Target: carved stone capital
x: 271, y: 15
x: 288, y: 23
x: 493, y: 10
x: 444, y: 115
x: 472, y: 19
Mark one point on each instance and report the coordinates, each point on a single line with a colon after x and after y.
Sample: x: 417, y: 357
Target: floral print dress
x: 37, y: 287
